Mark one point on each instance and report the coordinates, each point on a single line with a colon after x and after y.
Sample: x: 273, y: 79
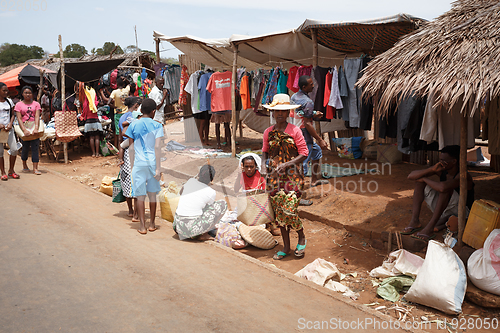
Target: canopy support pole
x: 462, y: 202
x: 233, y: 100
x: 63, y: 93
x: 157, y: 40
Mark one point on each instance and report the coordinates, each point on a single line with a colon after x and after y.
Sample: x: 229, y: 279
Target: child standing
x: 145, y: 140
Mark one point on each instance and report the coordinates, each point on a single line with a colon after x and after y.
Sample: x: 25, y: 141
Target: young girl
x: 93, y: 128
x: 6, y: 122
x: 29, y: 110
x: 249, y: 179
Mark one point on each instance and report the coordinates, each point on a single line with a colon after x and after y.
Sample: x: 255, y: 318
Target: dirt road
x: 71, y: 262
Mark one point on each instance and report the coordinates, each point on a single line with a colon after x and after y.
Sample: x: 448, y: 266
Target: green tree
x: 74, y: 51
x: 107, y: 48
x: 15, y: 53
x: 170, y: 61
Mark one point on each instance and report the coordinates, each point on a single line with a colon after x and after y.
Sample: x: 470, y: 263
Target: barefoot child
x: 145, y: 137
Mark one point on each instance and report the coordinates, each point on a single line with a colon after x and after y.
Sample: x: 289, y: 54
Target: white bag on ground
x: 484, y: 265
x: 400, y: 262
x: 441, y: 281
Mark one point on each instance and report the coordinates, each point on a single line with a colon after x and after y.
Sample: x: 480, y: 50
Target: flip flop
x: 4, y: 177
x: 410, y: 230
x: 14, y: 175
x: 142, y: 232
x: 26, y: 170
x: 300, y: 248
x: 152, y: 229
x: 423, y: 237
x: 320, y: 182
x: 37, y: 172
x: 279, y: 255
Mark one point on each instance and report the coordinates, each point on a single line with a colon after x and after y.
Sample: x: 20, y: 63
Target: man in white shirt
x: 159, y: 95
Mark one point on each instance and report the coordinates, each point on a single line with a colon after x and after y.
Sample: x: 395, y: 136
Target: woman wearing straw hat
x: 284, y: 149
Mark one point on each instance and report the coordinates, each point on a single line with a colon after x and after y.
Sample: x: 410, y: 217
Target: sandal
x: 279, y: 255
x: 14, y: 175
x: 4, y: 177
x: 300, y: 248
x: 410, y: 230
x: 26, y: 170
x: 37, y: 172
x: 320, y: 182
x: 423, y: 237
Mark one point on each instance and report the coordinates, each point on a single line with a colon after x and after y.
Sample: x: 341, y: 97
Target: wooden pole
x: 63, y: 93
x: 233, y: 100
x: 41, y: 85
x: 462, y: 202
x: 157, y: 40
x: 137, y: 48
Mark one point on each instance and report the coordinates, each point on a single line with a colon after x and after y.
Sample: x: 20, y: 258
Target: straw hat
x: 257, y: 236
x: 281, y: 102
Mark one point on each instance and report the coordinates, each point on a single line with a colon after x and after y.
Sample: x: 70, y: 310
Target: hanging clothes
x: 388, y: 124
x: 192, y: 89
x: 365, y: 105
x: 183, y: 81
x: 443, y: 125
x: 492, y: 114
x: 334, y: 99
x: 411, y: 135
x: 245, y: 92
x: 352, y: 68
x: 257, y: 78
x: 303, y: 70
x: 330, y: 110
x: 405, y: 109
x: 292, y: 73
x: 282, y: 81
x: 272, y: 86
x: 320, y: 75
x: 172, y: 80
x: 219, y: 86
x: 205, y: 96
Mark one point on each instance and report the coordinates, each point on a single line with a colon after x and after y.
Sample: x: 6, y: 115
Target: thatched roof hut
x: 456, y: 56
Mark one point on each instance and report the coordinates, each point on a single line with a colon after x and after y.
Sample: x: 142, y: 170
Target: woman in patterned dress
x: 284, y: 149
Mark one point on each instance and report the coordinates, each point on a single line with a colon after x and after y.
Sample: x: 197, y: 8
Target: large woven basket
x: 255, y: 209
x: 257, y: 236
x: 389, y: 153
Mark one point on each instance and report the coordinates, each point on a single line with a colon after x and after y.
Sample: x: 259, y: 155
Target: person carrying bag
x: 7, y: 134
x: 30, y: 128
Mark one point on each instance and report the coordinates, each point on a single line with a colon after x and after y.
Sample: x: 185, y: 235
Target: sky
x: 91, y: 23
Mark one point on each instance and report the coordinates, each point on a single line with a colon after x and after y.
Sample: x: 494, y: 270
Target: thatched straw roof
x: 457, y: 57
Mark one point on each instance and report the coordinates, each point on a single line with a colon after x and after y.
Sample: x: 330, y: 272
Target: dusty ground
x: 344, y: 201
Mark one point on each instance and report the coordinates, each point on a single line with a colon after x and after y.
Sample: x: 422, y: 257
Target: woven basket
x: 257, y: 236
x: 66, y: 126
x: 4, y: 136
x: 255, y: 209
x: 389, y: 153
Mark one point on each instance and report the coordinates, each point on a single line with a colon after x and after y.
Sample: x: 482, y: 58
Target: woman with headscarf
x: 283, y: 151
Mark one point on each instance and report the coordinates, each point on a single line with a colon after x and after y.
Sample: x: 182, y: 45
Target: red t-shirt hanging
x: 219, y: 86
x: 292, y: 72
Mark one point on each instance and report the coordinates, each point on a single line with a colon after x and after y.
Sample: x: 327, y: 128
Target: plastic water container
x: 484, y: 217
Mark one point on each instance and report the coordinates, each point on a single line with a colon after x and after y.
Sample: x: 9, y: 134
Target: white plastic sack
x: 441, y: 281
x: 325, y: 273
x: 484, y: 265
x: 400, y: 262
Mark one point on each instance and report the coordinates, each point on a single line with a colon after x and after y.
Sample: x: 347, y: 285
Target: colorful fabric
x: 285, y: 207
x: 272, y: 88
x: 245, y: 93
x: 303, y: 70
x: 282, y: 80
x: 219, y: 86
x: 282, y: 149
x: 294, y: 132
x: 184, y: 81
x: 192, y: 226
x: 292, y: 73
